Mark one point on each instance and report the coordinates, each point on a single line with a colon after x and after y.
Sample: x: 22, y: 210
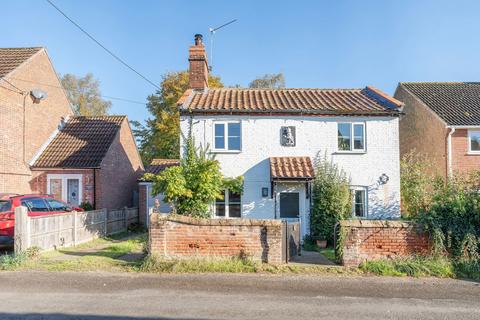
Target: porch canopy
x: 291, y: 169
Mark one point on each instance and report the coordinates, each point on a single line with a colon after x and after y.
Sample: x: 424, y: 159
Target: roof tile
x: 457, y: 103
x: 11, y: 58
x: 291, y: 168
x: 82, y: 143
x: 328, y: 101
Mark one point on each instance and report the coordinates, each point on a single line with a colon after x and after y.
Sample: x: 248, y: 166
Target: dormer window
x: 227, y: 136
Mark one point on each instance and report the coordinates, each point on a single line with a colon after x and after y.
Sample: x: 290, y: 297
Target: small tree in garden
x: 331, y: 198
x: 193, y: 186
x: 417, y: 183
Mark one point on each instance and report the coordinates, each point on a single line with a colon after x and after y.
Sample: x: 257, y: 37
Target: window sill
x: 350, y: 152
x: 226, y: 151
x: 470, y: 153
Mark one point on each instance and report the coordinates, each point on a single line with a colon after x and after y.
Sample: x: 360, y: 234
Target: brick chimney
x: 198, y: 65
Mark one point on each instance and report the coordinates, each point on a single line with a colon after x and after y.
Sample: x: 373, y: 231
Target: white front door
x: 65, y: 187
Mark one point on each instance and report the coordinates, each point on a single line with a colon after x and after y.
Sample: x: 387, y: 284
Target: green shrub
x: 86, y: 205
x: 331, y: 198
x: 453, y: 218
x: 12, y: 261
x: 193, y: 186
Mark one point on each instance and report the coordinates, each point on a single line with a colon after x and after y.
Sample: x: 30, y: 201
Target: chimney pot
x: 198, y: 39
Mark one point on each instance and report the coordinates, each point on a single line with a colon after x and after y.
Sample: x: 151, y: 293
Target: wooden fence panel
x: 69, y: 229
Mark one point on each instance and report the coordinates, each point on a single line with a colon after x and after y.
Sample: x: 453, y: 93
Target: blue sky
x: 326, y: 44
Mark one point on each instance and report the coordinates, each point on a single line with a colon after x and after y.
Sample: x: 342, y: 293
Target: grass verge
x: 154, y: 264
x: 415, y: 267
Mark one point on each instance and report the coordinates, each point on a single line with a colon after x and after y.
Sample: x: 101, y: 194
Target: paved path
x: 311, y: 258
x: 99, y: 296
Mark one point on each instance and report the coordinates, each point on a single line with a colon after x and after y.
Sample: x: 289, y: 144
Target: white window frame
x: 226, y: 198
x: 365, y: 201
x: 64, y: 177
x: 470, y: 133
x: 352, y: 136
x: 225, y: 137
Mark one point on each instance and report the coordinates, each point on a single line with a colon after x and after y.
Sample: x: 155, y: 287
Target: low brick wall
x: 380, y: 239
x: 184, y: 237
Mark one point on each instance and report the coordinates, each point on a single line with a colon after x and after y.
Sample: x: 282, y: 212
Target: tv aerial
x: 212, y: 32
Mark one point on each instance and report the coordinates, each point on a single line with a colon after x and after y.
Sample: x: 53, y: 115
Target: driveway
x: 98, y: 296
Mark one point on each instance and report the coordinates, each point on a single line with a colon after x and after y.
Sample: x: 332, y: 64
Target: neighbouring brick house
x: 272, y: 136
x: 45, y: 148
x: 442, y: 121
x: 25, y: 125
x: 90, y: 159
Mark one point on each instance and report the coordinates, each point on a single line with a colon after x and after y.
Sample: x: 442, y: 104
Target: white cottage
x: 271, y: 137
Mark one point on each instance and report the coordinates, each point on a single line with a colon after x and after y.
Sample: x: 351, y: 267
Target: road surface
x: 101, y: 296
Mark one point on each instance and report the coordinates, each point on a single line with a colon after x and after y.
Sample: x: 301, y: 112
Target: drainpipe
x: 449, y: 142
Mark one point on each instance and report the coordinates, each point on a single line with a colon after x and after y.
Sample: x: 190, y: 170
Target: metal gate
x: 290, y: 240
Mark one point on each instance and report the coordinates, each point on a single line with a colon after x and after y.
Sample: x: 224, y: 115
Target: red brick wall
x: 463, y: 162
x: 380, y: 239
x: 38, y: 183
x: 184, y: 237
x: 41, y: 120
x: 119, y: 171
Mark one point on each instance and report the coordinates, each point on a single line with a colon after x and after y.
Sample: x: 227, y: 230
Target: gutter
x: 449, y: 146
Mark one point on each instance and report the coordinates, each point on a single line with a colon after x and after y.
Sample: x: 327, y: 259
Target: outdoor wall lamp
x: 264, y: 192
x: 383, y: 178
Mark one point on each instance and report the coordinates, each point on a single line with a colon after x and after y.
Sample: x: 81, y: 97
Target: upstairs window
x: 229, y: 206
x: 351, y: 137
x: 227, y: 136
x: 474, y: 141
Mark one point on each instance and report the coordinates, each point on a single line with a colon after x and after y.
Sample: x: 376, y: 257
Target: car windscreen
x: 35, y: 204
x: 5, y: 205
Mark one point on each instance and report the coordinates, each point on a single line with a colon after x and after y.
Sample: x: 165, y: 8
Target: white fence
x: 69, y: 229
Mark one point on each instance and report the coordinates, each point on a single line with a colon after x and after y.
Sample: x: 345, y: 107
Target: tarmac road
x: 99, y: 296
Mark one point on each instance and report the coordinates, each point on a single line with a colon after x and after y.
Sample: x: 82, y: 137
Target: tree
x: 194, y: 185
x: 84, y: 94
x: 160, y: 137
x: 269, y: 81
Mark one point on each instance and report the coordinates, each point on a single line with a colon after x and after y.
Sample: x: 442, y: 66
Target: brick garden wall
x: 184, y: 237
x: 380, y: 239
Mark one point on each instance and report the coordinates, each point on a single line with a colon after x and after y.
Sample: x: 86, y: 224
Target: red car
x: 37, y: 205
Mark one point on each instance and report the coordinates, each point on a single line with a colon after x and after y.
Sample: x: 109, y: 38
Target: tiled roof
x: 291, y: 168
x: 317, y: 101
x: 457, y: 103
x: 11, y: 58
x: 158, y: 165
x: 82, y: 143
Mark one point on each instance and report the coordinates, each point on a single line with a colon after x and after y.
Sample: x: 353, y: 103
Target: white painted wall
x: 314, y: 135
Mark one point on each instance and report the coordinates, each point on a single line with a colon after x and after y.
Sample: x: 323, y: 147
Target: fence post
x: 105, y: 211
x: 21, y: 237
x: 75, y: 225
x: 125, y: 218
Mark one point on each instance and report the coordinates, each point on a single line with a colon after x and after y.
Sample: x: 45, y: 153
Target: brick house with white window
x: 272, y: 137
x: 442, y: 121
x: 44, y: 148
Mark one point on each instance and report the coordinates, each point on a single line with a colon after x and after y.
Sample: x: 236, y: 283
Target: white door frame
x: 64, y: 177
